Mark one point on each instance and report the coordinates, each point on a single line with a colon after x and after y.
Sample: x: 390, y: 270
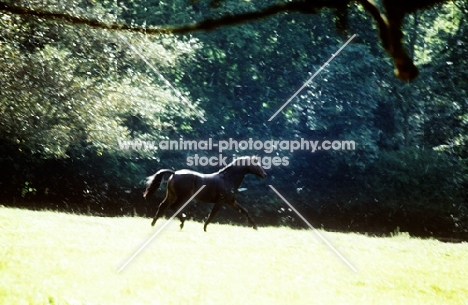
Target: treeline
x: 70, y: 94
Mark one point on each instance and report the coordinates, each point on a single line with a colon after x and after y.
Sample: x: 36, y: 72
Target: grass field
x: 55, y: 258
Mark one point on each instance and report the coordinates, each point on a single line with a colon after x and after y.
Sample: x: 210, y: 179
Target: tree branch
x: 389, y: 24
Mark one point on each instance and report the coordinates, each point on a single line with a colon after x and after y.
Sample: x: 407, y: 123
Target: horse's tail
x: 153, y: 182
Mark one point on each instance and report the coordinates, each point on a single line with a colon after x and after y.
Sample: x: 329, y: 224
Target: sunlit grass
x: 55, y: 258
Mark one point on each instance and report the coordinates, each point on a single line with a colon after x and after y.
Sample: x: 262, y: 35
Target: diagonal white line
x: 157, y: 232
x: 163, y: 78
x: 311, y: 78
x: 316, y: 232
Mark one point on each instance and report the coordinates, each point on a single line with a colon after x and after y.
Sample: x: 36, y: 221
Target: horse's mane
x: 240, y: 161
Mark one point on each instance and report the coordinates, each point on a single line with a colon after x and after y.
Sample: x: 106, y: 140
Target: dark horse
x: 220, y: 187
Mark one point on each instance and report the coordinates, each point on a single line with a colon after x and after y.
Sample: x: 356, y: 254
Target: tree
x: 71, y: 95
x: 389, y: 21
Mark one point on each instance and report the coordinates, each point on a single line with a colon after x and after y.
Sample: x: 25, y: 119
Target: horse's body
x: 220, y: 187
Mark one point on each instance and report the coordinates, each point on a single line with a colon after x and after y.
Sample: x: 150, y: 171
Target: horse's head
x: 256, y: 168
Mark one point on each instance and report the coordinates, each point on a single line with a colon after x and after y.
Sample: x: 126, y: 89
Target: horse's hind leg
x: 177, y: 205
x: 242, y: 210
x: 170, y: 198
x: 182, y: 217
x: 162, y: 207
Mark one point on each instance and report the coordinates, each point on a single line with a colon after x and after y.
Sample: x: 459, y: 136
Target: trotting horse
x: 220, y: 187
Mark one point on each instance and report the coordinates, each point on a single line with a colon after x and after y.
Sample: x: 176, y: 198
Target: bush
x: 420, y: 191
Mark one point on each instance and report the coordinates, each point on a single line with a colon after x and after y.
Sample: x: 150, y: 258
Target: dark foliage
x: 70, y: 92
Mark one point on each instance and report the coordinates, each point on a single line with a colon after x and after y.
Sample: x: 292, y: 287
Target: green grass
x: 55, y: 258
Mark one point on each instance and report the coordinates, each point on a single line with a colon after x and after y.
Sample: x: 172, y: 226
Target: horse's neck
x: 234, y: 176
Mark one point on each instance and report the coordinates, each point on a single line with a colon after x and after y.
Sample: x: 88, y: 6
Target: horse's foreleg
x: 242, y: 210
x: 212, y: 214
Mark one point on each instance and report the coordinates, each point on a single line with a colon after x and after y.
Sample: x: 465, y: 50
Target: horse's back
x: 188, y: 172
x: 187, y: 181
x: 186, y: 177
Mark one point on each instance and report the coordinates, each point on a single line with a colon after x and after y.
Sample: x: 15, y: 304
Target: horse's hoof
x: 152, y: 223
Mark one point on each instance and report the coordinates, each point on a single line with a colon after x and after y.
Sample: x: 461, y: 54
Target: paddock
x: 56, y: 258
